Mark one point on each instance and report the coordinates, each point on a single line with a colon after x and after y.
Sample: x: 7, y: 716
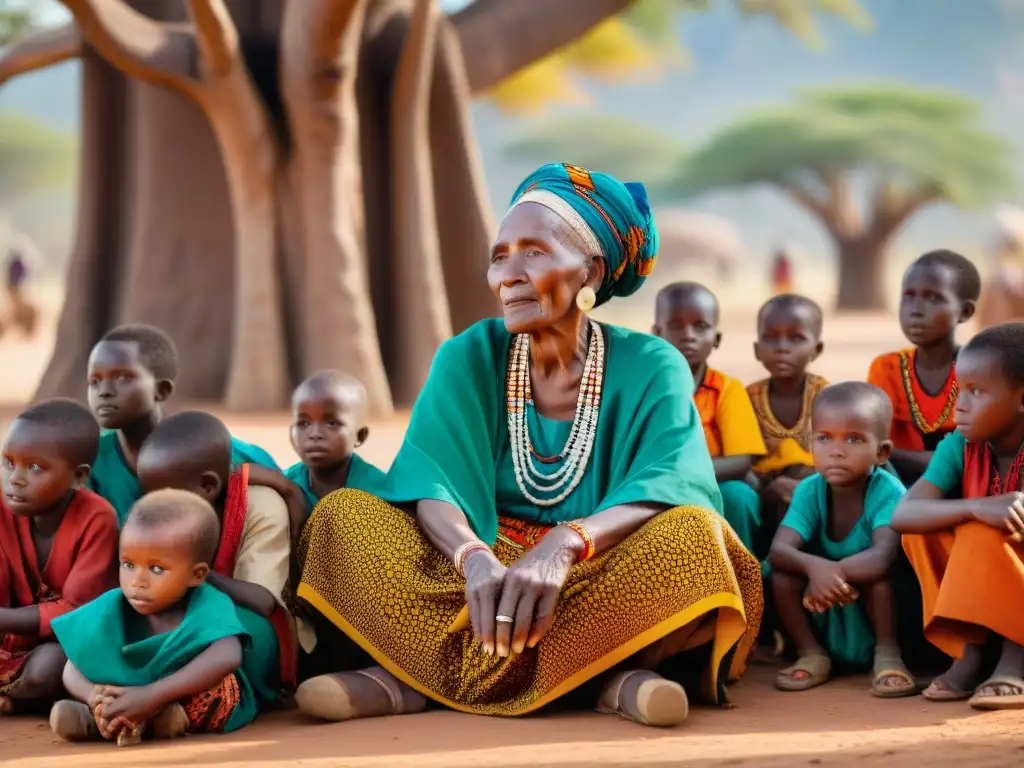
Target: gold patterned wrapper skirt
x: 370, y: 571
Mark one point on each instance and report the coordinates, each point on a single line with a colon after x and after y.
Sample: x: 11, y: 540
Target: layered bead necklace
x: 575, y: 454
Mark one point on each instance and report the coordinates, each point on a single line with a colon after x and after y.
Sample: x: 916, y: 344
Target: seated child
x: 835, y: 546
x: 940, y: 291
x: 191, y: 451
x: 58, y: 546
x: 686, y: 315
x: 168, y: 660
x: 328, y: 424
x: 131, y: 375
x: 788, y: 340
x: 967, y: 552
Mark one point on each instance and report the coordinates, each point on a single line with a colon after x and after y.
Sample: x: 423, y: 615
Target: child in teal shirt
x: 834, y: 551
x: 131, y: 376
x: 328, y: 424
x: 168, y: 660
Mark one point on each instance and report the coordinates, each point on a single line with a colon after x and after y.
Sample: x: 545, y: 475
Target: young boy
x: 168, y: 659
x: 967, y: 552
x: 686, y: 315
x: 192, y: 451
x: 131, y: 375
x: 940, y: 292
x: 328, y: 424
x: 58, y: 545
x: 788, y: 341
x: 835, y: 545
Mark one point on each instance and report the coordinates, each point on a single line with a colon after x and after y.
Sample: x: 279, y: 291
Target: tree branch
x: 817, y: 207
x: 161, y: 54
x: 500, y: 37
x: 216, y: 36
x: 892, y: 210
x: 38, y: 49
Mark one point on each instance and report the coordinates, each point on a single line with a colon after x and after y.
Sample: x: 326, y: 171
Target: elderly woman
x: 561, y: 502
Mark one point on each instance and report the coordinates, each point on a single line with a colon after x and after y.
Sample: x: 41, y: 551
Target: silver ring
x: 504, y: 619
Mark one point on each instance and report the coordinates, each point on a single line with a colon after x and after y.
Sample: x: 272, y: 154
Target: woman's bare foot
x: 646, y: 698
x: 957, y: 683
x: 371, y: 692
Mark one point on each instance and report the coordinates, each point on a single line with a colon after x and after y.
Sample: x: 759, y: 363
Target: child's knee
x: 786, y: 585
x: 43, y: 672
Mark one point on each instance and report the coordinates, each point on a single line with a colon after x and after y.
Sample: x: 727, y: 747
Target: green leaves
x: 33, y: 157
x: 913, y: 138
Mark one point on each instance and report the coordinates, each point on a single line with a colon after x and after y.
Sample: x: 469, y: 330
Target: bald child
x: 329, y: 422
x: 168, y: 661
x: 686, y: 316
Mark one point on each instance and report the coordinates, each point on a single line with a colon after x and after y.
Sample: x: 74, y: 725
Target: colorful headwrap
x: 613, y: 220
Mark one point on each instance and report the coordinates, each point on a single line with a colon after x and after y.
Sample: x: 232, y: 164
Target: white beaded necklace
x: 576, y: 452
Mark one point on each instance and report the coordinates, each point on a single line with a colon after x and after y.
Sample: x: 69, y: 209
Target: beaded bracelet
x: 588, y: 540
x: 463, y: 552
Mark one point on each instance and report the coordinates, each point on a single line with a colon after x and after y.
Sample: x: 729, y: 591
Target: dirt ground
x: 838, y: 725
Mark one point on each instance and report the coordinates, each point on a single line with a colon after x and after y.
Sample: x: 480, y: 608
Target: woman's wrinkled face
x: 537, y: 268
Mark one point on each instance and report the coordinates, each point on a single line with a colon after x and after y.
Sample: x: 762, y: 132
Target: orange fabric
x: 885, y: 373
x: 706, y: 397
x: 236, y: 507
x: 82, y: 564
x: 972, y: 578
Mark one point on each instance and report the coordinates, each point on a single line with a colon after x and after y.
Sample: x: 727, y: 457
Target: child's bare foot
x: 646, y: 698
x: 371, y: 692
x: 1005, y: 689
x: 957, y: 683
x: 892, y: 679
x: 6, y: 705
x: 73, y: 721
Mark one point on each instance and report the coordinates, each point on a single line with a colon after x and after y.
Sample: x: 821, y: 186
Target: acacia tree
x: 288, y: 186
x: 913, y: 147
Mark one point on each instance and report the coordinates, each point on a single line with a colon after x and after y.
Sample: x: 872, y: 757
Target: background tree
x: 288, y: 186
x: 913, y: 147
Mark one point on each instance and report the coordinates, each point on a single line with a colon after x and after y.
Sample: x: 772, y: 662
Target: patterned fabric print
x: 208, y: 712
x: 11, y: 665
x: 370, y: 571
x: 521, y: 534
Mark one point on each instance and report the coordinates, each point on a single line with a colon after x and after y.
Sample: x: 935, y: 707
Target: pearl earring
x: 586, y: 298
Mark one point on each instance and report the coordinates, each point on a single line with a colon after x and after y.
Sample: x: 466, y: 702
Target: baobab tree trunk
x: 862, y: 284
x: 257, y: 179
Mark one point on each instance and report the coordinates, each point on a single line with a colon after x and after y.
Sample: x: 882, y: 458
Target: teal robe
x: 114, y: 656
x: 114, y: 480
x: 649, y: 445
x: 362, y: 476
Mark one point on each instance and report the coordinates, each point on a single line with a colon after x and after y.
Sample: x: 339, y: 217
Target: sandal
x: 997, y: 702
x: 940, y: 691
x: 889, y: 663
x: 817, y: 667
x: 329, y: 697
x: 658, y: 702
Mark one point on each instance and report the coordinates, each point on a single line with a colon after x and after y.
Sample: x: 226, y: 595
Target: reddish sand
x: 838, y: 725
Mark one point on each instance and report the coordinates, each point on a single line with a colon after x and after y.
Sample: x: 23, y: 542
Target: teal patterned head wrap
x: 613, y: 219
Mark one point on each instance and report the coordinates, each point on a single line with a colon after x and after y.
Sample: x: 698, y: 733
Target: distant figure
x: 782, y: 273
x: 20, y: 312
x: 1002, y: 298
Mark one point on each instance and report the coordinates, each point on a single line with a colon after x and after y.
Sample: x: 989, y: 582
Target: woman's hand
x: 531, y: 588
x: 484, y: 577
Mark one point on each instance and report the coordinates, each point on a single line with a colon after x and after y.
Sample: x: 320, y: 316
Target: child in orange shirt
x: 686, y: 315
x: 940, y: 291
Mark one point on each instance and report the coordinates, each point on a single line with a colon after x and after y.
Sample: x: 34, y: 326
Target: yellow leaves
x: 610, y: 51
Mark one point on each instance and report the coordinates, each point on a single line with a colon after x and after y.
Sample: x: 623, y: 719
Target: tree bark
x: 861, y: 273
x: 39, y: 49
x: 418, y: 279
x: 500, y: 37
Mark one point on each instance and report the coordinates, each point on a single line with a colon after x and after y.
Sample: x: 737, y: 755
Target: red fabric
x: 981, y: 478
x: 236, y: 507
x: 82, y: 564
x: 885, y: 373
